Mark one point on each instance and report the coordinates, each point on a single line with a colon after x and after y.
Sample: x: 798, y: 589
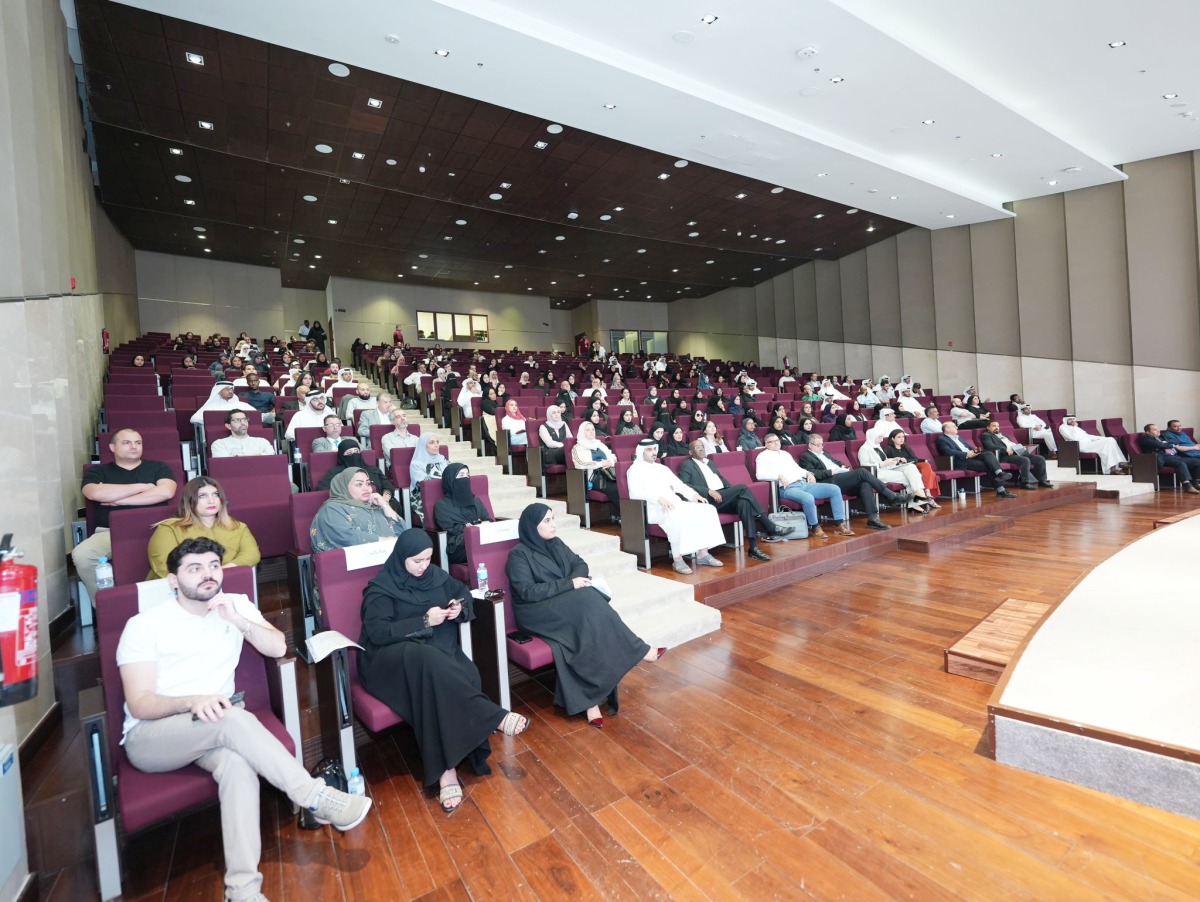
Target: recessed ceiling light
x: 183, y: 178
x: 375, y: 103
x: 681, y: 164
x: 560, y: 237
x: 414, y: 266
x: 554, y: 283
x: 997, y: 156
x: 338, y: 69
x: 872, y: 191
x: 194, y: 58
x: 949, y: 215
x: 310, y: 198
x: 1052, y: 182
x: 758, y: 269
x: 894, y: 197
x: 1073, y: 169
x: 297, y: 241
x: 817, y: 250
x: 541, y: 251
x: 708, y: 20
x: 332, y: 221
x: 441, y: 53
x: 819, y: 216
x: 316, y: 256
x: 495, y: 276
x: 447, y: 238
x: 460, y: 222
x: 199, y: 229
x: 390, y: 162
x: 610, y: 106
x: 206, y: 125
x: 176, y: 151
x: 780, y: 240
x: 344, y: 181
x: 606, y: 260
x: 554, y: 128
x: 710, y: 261
x: 358, y: 155
x: 312, y: 266
x: 663, y: 176
x: 451, y: 174
x: 837, y: 79
x: 1170, y: 96
x: 422, y: 256
x: 693, y: 234
x: 852, y: 210
x: 822, y: 175
x: 506, y: 185
x: 928, y: 121
x: 641, y: 250
x: 618, y: 209
x: 605, y: 217
x: 420, y: 169
x: 777, y: 190
x: 202, y: 237
x: 643, y: 283
x: 674, y: 270
x: 322, y: 148
x: 1116, y: 44
x: 540, y: 145
x: 508, y: 266
x: 572, y: 215
x: 870, y: 228
x: 189, y: 202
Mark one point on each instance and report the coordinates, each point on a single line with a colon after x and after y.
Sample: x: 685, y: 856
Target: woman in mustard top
x: 202, y: 512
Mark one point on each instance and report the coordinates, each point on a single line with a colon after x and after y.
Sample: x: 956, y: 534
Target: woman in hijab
x: 349, y: 457
x: 698, y: 420
x: 896, y: 446
x: 855, y: 409
x: 804, y: 429
x: 470, y: 389
x: 894, y: 469
x: 780, y: 411
x: 564, y: 400
x: 513, y: 422
x: 553, y: 434
x: 714, y: 442
x: 778, y: 428
x: 628, y: 424
x: 524, y: 382
x: 677, y: 443
x: 681, y: 409
x: 319, y: 364
x: 456, y: 509
x: 830, y: 411
x: 843, y: 429
x: 806, y: 410
x: 599, y: 422
x: 553, y: 597
x: 427, y: 463
x: 658, y: 435
x: 748, y: 439
x: 355, y: 514
x: 411, y: 661
x: 599, y: 465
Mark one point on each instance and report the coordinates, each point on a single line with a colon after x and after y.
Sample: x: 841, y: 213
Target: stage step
x: 1177, y: 518
x: 947, y: 538
x: 983, y: 653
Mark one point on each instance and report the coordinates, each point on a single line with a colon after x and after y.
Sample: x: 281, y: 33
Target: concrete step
x: 675, y: 625
x: 610, y: 565
x: 637, y: 593
x: 586, y: 542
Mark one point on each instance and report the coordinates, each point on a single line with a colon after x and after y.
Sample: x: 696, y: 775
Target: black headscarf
x: 355, y: 460
x: 677, y: 447
x: 527, y: 528
x: 457, y: 490
x: 395, y: 581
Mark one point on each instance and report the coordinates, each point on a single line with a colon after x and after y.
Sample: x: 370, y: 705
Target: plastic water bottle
x: 104, y: 574
x: 356, y: 785
x: 962, y: 496
x: 481, y: 577
x: 296, y: 456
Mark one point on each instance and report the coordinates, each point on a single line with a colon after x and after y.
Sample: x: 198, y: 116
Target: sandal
x: 450, y: 797
x: 513, y: 724
x: 681, y: 567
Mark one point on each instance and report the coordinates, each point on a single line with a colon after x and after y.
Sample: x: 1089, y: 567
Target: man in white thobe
x: 1111, y: 457
x: 1037, y: 427
x: 692, y: 526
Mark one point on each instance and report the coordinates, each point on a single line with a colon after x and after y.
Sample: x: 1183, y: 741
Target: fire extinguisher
x: 18, y: 626
x: 104, y: 335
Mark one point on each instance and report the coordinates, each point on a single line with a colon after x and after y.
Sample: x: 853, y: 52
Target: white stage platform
x: 1105, y: 691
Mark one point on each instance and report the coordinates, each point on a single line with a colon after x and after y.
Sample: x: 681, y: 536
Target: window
x: 433, y: 326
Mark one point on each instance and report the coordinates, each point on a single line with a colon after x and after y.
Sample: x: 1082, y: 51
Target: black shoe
x: 899, y: 499
x: 758, y: 554
x: 780, y: 531
x: 1046, y: 485
x: 1031, y: 486
x: 1004, y: 477
x: 1001, y: 493
x: 876, y: 524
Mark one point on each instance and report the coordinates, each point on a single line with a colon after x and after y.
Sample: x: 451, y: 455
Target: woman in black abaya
x: 456, y: 509
x: 553, y: 598
x: 412, y: 663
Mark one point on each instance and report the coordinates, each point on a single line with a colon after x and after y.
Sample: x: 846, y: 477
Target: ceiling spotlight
x: 870, y: 228
x: 540, y: 145
x: 414, y: 266
x: 758, y: 269
x: 681, y: 164
x: 708, y: 20
x: 1115, y: 44
x: 506, y: 185
x: 641, y: 250
x: 663, y: 176
x: 447, y: 238
x: 606, y: 260
x: 176, y: 151
x: 441, y: 53
x: 894, y: 197
x: 312, y: 266
x: 693, y: 234
x: 208, y: 250
x: 359, y: 155
x: 423, y: 256
x: 605, y: 217
x: 822, y: 175
x: 777, y: 190
x: 618, y: 209
x: 202, y: 237
x: 297, y: 241
x: 316, y: 256
x: 420, y: 169
x: 949, y: 215
x: 310, y: 198
x: 560, y: 237
x: 332, y: 221
x: 190, y: 203
x: 710, y: 262
x: 692, y: 223
x: 554, y: 128
x: 206, y: 125
x: 183, y: 178
x: 1052, y: 182
x: 780, y: 241
x: 374, y: 103
x: 199, y: 229
x: 819, y: 216
x: 344, y: 181
x: 392, y: 38
x: 837, y: 79
x: 610, y: 106
x: 852, y: 210
x: 997, y: 156
x: 928, y: 121
x: 194, y: 58
x: 817, y: 250
x: 1073, y: 169
x: 572, y: 215
x: 742, y: 195
x: 338, y: 69
x: 460, y: 222
x: 390, y: 162
x: 322, y: 148
x: 1170, y: 96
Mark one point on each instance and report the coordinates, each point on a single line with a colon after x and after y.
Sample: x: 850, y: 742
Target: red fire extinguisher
x: 18, y: 626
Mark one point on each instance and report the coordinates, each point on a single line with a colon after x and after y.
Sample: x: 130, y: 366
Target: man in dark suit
x: 1187, y: 469
x: 860, y: 482
x: 699, y: 475
x: 1033, y: 466
x: 964, y: 457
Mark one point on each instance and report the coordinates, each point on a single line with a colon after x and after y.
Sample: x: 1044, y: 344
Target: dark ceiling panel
x: 429, y: 160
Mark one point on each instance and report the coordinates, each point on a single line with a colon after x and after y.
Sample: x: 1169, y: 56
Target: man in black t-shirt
x: 128, y: 481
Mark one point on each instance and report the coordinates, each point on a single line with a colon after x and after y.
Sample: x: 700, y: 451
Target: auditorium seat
x: 431, y: 493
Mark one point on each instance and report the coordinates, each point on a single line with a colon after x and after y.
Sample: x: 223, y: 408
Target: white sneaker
x: 344, y: 811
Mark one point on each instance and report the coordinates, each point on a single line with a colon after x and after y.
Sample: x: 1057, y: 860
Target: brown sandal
x: 843, y: 529
x: 817, y: 532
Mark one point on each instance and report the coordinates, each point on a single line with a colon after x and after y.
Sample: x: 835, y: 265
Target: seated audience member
x: 867, y: 397
x: 748, y: 439
x: 908, y: 405
x: 829, y: 391
x: 1180, y: 440
x: 378, y: 414
x: 1186, y: 469
x: 471, y: 388
x: 895, y: 470
x: 1038, y: 430
x: 513, y: 422
x: 965, y: 457
x: 177, y: 662
x: 799, y: 486
x: 931, y: 425
x: 349, y: 457
x: 360, y: 399
x: 239, y: 442
x: 830, y: 412
x: 259, y: 397
x: 843, y: 429
x: 1033, y: 466
x: 691, y: 525
x: 222, y: 399
x: 897, y: 446
x: 700, y: 475
x: 882, y: 427
x: 412, y: 662
x: 599, y: 465
x: 964, y: 418
x: 413, y: 379
x: 203, y: 512
x: 804, y: 429
x: 456, y: 509
x: 860, y: 482
x: 627, y: 423
x: 553, y: 434
x: 399, y: 437
x: 975, y: 406
x: 554, y: 599
x: 128, y: 481
x: 332, y: 437
x: 311, y: 414
x: 1111, y: 458
x: 658, y: 434
x: 778, y: 428
x: 714, y: 443
x: 677, y: 443
x: 427, y: 463
x: 1015, y: 403
x: 699, y: 417
x: 344, y: 379
x: 217, y: 368
x: 354, y: 514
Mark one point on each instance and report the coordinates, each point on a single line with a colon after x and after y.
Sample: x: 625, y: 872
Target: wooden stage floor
x: 813, y: 747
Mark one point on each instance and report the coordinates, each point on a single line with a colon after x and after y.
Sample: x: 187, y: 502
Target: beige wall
x: 1089, y: 299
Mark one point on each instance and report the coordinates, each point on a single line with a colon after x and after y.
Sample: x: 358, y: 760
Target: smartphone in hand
x: 235, y: 699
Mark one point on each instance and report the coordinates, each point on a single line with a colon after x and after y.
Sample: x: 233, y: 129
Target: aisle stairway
x: 662, y: 611
x: 1120, y: 487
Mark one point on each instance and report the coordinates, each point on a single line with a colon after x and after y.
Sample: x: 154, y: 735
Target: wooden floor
x: 814, y: 747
